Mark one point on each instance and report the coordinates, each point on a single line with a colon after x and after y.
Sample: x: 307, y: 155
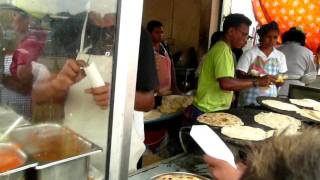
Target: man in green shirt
x: 216, y: 81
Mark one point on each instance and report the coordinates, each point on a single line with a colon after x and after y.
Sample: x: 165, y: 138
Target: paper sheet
x: 94, y: 75
x: 211, y: 143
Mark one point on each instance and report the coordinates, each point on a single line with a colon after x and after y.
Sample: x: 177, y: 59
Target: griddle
x: 247, y: 117
x: 289, y: 113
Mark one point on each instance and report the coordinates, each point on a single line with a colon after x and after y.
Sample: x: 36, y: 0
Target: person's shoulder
x: 220, y: 48
x: 307, y: 50
x: 220, y: 45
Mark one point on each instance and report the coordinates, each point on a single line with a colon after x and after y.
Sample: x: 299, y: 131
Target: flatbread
x: 310, y: 103
x: 276, y: 121
x: 174, y: 103
x: 246, y: 133
x: 220, y: 119
x: 280, y: 105
x: 177, y: 177
x: 312, y: 114
x: 153, y: 114
x: 317, y: 108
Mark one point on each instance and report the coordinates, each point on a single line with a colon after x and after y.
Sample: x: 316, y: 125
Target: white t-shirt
x: 255, y: 59
x: 250, y: 56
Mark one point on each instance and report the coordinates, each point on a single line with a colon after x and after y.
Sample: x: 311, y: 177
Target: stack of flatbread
x: 220, y: 119
x: 174, y: 103
x: 281, y: 123
x: 246, y: 133
x: 280, y: 105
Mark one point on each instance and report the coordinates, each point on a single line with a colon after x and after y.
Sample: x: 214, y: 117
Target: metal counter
x: 185, y: 162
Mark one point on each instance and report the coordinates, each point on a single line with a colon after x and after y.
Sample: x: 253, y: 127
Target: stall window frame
x: 127, y: 41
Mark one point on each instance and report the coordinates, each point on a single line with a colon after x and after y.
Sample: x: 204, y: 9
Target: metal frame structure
x: 123, y: 88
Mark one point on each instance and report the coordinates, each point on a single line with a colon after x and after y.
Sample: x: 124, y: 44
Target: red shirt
x: 29, y: 49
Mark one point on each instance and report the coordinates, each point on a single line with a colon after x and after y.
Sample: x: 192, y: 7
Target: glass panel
x: 56, y: 70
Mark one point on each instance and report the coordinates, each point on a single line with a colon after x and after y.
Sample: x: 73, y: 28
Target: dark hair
x: 294, y: 35
x: 215, y: 37
x: 235, y: 20
x: 153, y: 24
x: 264, y: 29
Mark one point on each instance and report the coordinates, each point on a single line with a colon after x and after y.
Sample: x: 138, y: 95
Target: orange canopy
x: 288, y: 13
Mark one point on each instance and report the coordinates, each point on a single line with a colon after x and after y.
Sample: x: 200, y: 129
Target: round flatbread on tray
x: 277, y: 121
x: 220, y: 119
x: 311, y: 114
x: 246, y: 133
x: 309, y: 103
x: 280, y: 105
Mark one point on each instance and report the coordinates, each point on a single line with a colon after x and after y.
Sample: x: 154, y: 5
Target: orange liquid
x: 9, y: 159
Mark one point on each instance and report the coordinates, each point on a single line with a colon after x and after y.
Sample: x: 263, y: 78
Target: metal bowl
x: 178, y: 176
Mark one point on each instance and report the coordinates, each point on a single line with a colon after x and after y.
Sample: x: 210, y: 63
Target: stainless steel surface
x: 178, y: 175
x: 61, y: 153
x: 52, y: 144
x: 73, y: 170
x: 124, y: 74
x: 186, y: 162
x: 14, y: 176
x: 16, y: 172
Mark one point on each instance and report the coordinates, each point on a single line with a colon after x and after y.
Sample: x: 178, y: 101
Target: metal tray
x: 289, y: 113
x: 178, y: 174
x: 26, y: 162
x: 52, y: 144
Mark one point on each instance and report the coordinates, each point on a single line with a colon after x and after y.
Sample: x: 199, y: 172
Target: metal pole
x: 123, y: 90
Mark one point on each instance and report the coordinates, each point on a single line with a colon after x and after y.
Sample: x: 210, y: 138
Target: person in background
x: 300, y: 60
x: 282, y: 158
x: 262, y: 60
x: 164, y: 62
x: 18, y: 78
x: 216, y: 81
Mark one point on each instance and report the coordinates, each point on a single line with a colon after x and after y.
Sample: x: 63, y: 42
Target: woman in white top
x: 262, y: 60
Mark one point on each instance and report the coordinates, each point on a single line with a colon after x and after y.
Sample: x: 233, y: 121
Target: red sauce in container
x: 9, y: 159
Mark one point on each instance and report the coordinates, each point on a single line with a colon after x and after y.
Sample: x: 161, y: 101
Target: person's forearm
x: 233, y: 84
x: 144, y: 101
x: 243, y: 75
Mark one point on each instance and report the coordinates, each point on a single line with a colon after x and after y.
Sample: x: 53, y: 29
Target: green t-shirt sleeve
x: 224, y: 65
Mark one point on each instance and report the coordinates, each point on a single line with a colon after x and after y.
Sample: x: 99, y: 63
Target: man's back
x: 299, y: 59
x: 218, y: 63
